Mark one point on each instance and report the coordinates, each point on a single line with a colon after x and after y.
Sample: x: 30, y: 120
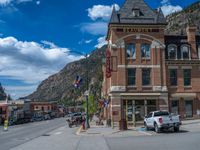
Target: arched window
x: 145, y: 50
x: 185, y: 52
x: 130, y: 51
x: 172, y: 51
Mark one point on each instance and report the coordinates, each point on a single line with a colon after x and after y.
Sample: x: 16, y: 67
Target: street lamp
x: 87, y: 85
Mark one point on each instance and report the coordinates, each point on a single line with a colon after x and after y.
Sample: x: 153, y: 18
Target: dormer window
x: 136, y: 12
x: 185, y: 52
x: 172, y: 51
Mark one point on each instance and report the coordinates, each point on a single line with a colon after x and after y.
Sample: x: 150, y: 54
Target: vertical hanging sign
x: 108, y: 68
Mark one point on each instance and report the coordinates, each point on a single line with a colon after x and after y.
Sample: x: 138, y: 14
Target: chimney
x: 191, y: 37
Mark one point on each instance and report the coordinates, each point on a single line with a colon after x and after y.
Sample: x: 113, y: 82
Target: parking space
x: 188, y: 126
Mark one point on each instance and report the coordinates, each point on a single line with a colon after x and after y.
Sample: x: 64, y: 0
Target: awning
x: 140, y: 94
x: 184, y: 95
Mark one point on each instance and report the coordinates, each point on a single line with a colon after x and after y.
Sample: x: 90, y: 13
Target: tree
x: 92, y: 107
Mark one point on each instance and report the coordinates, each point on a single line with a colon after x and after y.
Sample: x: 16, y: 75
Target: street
x: 56, y: 135
x: 20, y: 134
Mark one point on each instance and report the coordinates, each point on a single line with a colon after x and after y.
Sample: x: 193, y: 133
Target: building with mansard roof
x: 147, y: 70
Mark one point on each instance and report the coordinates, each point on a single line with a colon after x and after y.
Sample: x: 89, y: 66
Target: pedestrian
x: 83, y: 122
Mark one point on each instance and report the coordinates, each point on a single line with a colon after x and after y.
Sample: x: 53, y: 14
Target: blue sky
x: 37, y: 35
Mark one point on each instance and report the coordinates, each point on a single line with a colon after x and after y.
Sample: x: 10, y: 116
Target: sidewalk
x: 110, y: 132
x: 187, y: 122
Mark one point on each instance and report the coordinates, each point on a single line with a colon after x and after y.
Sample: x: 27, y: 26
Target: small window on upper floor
x: 136, y: 12
x: 172, y: 51
x: 145, y: 51
x: 185, y: 52
x: 199, y: 51
x: 130, y: 51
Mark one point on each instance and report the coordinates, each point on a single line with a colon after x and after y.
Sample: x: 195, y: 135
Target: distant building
x: 147, y: 70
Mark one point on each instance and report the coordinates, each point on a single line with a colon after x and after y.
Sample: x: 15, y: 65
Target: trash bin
x: 123, y: 125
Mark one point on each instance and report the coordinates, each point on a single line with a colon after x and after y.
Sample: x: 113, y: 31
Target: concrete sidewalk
x: 110, y: 132
x: 64, y: 138
x: 186, y: 122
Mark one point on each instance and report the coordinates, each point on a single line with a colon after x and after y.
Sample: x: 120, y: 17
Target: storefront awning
x: 140, y: 94
x: 184, y: 95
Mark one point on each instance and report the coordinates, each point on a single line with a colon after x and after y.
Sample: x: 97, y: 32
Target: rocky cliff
x: 177, y: 22
x: 59, y: 87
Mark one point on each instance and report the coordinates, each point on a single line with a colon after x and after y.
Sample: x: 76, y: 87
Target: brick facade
x: 139, y: 98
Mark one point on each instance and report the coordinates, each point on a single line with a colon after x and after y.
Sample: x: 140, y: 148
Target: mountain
x: 177, y: 22
x: 2, y: 93
x: 59, y: 87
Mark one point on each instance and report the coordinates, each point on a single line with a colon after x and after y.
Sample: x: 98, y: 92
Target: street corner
x: 79, y: 131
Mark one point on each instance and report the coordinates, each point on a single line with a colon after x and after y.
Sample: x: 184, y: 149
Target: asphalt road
x: 17, y: 135
x: 170, y: 141
x: 41, y: 136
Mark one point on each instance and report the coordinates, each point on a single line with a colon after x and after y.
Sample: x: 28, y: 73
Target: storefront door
x: 188, y: 109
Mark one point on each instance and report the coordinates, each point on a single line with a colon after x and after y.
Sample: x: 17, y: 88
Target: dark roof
x: 147, y: 15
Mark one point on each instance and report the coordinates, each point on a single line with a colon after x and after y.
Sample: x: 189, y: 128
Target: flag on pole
x: 77, y: 82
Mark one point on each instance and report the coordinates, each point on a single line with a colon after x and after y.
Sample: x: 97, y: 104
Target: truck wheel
x: 146, y: 127
x: 157, y: 129
x: 176, y: 129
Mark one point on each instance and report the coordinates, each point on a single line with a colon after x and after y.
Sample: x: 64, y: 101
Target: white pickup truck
x: 160, y: 120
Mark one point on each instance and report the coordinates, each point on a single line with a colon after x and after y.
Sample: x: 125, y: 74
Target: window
x: 146, y: 77
x: 187, y: 77
x: 136, y: 12
x: 130, y: 51
x: 199, y: 51
x: 174, y: 108
x: 131, y: 77
x: 172, y: 52
x: 185, y: 52
x: 173, y: 77
x: 145, y: 50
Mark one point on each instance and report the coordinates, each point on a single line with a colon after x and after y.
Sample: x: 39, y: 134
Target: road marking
x: 145, y: 132
x: 57, y: 133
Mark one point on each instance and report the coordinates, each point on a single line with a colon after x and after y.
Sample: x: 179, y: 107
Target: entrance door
x: 188, y: 109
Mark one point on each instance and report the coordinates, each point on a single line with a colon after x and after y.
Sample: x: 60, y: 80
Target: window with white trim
x: 130, y: 51
x: 185, y: 52
x: 145, y: 50
x: 172, y: 51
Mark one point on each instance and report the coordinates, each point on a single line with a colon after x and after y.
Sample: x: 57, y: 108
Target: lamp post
x: 87, y: 85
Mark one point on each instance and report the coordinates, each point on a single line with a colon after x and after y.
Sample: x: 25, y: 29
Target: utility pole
x: 87, y: 94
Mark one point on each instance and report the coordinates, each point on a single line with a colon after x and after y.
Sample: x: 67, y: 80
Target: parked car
x: 162, y: 120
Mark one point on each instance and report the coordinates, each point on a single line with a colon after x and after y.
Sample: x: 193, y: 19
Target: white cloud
x: 168, y: 8
x: 5, y: 2
x: 101, y: 11
x: 101, y: 42
x: 85, y: 41
x: 95, y: 28
x: 31, y: 62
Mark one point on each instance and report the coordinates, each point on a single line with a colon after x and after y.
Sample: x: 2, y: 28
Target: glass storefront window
x: 188, y: 109
x: 145, y: 51
x: 175, y: 107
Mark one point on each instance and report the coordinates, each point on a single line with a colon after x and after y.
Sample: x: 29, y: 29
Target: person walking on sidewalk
x: 83, y: 122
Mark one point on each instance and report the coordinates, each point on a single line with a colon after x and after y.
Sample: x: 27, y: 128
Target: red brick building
x: 147, y: 70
